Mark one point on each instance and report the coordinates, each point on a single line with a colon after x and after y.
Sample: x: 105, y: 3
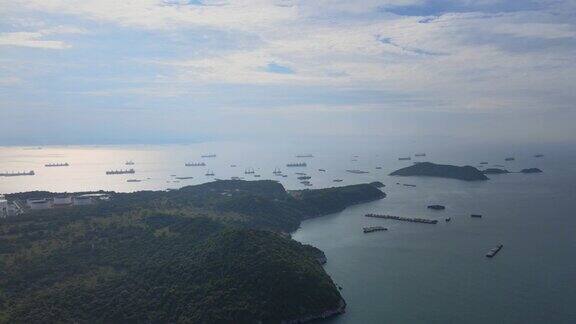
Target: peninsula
x: 212, y: 253
x: 428, y: 169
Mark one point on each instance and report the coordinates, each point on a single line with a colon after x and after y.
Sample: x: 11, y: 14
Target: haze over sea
x: 413, y: 273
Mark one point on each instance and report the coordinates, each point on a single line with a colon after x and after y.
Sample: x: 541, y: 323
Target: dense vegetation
x: 428, y: 169
x: 203, y: 254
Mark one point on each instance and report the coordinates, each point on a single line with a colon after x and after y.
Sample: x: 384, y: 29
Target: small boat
x: 420, y: 154
x: 277, y: 171
x: 436, y: 207
x: 284, y: 176
x: 378, y: 168
x: 538, y: 155
x: 404, y: 158
x: 133, y: 180
x: 208, y: 155
x: 129, y: 163
x: 304, y: 155
x: 337, y: 180
x: 494, y: 251
x: 236, y: 178
x: 448, y: 219
x: 249, y: 171
x: 232, y: 165
x: 322, y: 170
x: 484, y: 162
x: 209, y: 173
x: 256, y: 176
x: 304, y: 177
x: 509, y: 159
x: 476, y: 216
x: 184, y: 178
x: 408, y: 185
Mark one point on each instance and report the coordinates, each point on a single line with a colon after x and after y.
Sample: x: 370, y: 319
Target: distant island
x: 495, y: 171
x: 428, y: 169
x: 212, y: 253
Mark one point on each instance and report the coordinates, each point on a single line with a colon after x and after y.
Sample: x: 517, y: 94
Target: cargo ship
x: 404, y: 159
x: 48, y: 165
x: 209, y: 155
x: 195, y: 164
x: 114, y: 172
x: 420, y: 154
x: 357, y: 171
x: 299, y: 164
x: 16, y: 174
x: 304, y: 155
x: 304, y: 177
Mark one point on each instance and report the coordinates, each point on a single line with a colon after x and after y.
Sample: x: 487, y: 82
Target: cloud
x: 37, y: 39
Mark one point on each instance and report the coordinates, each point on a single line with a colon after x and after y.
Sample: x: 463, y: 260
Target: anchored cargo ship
x: 56, y: 165
x: 299, y: 164
x: 357, y: 171
x: 195, y: 164
x: 16, y: 174
x: 114, y: 172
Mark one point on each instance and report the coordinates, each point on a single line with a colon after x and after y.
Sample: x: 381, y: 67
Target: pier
x: 404, y: 219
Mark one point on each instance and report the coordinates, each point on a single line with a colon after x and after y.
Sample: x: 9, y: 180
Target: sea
x: 412, y: 273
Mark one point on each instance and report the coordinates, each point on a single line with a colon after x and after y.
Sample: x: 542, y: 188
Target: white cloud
x: 37, y: 38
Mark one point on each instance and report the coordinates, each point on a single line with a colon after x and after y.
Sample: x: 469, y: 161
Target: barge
x: 405, y: 219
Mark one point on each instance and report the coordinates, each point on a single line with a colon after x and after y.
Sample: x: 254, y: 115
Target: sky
x: 150, y: 71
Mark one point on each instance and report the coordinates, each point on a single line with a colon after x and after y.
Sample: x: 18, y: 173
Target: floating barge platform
x: 405, y: 219
x: 371, y: 229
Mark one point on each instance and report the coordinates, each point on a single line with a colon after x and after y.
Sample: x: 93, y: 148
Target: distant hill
x: 213, y: 253
x: 428, y: 169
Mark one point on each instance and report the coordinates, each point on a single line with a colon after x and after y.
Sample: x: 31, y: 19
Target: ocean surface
x: 413, y: 273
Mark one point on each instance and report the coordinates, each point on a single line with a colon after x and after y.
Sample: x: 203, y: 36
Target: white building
x: 37, y: 204
x: 82, y: 200
x: 62, y: 201
x: 3, y: 207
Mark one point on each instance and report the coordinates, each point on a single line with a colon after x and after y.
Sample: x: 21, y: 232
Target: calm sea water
x: 413, y: 273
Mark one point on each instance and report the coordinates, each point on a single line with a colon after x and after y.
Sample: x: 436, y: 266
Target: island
x: 531, y: 170
x: 495, y: 171
x: 428, y: 169
x: 219, y: 252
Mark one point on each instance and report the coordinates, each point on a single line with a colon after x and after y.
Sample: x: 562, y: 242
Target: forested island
x: 428, y: 169
x: 216, y: 252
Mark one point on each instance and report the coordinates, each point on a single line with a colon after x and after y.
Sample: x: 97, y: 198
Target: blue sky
x: 161, y: 71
